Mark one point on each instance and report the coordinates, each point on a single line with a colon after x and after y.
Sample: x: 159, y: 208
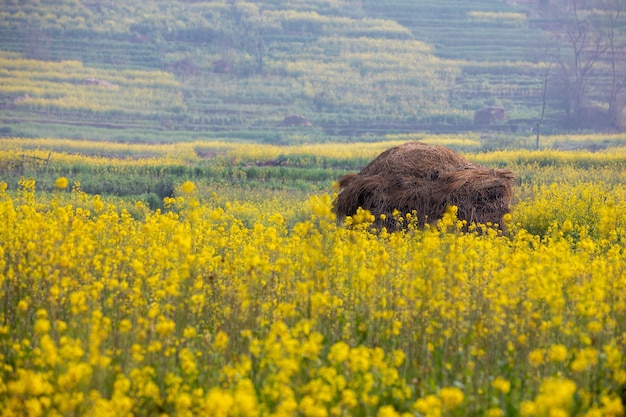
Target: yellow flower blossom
x: 556, y: 397
x: 612, y: 406
x: 221, y: 341
x: 61, y: 183
x: 22, y: 306
x: 188, y: 187
x: 584, y: 358
x: 187, y: 361
x: 502, y: 385
x: 557, y: 353
x: 536, y: 357
x: 528, y: 408
x: 244, y: 397
x: 494, y: 412
x: 451, y: 397
x: 218, y: 403
x: 339, y: 353
x: 429, y: 406
x: 387, y: 411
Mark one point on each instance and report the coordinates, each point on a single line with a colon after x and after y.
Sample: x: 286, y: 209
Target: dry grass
x: 425, y: 179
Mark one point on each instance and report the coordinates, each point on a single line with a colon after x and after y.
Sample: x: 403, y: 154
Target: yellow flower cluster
x: 193, y: 311
x: 52, y: 85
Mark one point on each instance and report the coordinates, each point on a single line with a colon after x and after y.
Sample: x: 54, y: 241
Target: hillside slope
x: 173, y: 70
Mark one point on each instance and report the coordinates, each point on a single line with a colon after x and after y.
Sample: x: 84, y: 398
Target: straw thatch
x: 426, y: 179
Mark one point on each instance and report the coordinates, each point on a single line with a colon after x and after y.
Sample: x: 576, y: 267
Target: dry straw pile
x: 426, y: 179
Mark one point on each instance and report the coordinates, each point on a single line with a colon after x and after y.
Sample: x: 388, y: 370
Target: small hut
x: 426, y: 179
x: 490, y: 115
x: 295, y: 120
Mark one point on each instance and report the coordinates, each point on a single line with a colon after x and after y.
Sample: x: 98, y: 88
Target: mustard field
x: 234, y: 301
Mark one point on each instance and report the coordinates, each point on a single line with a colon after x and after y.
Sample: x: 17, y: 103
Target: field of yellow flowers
x: 217, y: 308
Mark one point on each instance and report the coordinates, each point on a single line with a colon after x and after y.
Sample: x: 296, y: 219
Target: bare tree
x: 587, y: 49
x: 615, y: 53
x: 589, y: 81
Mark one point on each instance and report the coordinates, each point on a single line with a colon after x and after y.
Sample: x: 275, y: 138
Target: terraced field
x: 237, y: 69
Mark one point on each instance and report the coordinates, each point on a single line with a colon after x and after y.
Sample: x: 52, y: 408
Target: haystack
x: 426, y: 179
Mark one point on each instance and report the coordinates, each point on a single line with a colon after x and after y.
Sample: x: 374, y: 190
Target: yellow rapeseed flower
x: 556, y: 397
x: 189, y: 332
x: 245, y: 399
x: 429, y: 406
x: 387, y: 411
x: 42, y: 326
x: 218, y: 403
x: 451, y: 397
x: 22, y: 306
x: 584, y: 358
x: 528, y: 408
x: 349, y: 398
x: 187, y: 361
x: 61, y: 183
x: 594, y: 327
x: 359, y: 359
x: 494, y: 412
x: 221, y: 341
x: 557, y: 353
x: 536, y: 357
x: 612, y: 406
x: 188, y: 187
x: 502, y: 385
x: 125, y: 326
x: 339, y: 353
